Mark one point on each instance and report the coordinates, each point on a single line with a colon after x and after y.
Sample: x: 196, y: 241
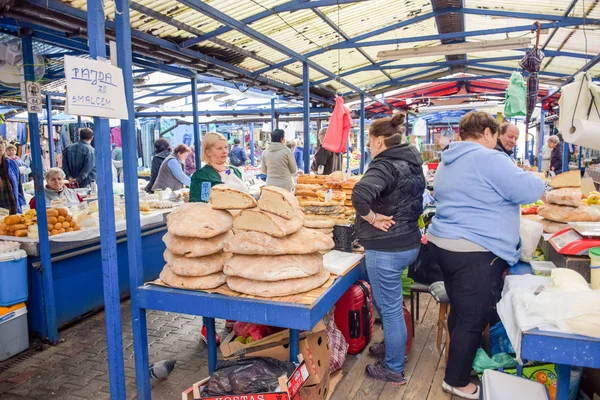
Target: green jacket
x: 206, y: 174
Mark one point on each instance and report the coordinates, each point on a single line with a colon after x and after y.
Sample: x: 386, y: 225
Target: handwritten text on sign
x: 94, y: 89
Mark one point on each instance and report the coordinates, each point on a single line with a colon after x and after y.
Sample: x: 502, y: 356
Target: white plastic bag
x: 530, y: 232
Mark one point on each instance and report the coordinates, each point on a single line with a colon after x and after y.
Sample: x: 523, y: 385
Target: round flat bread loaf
x: 273, y: 268
x: 305, y: 241
x: 275, y: 289
x: 326, y: 231
x: 261, y: 221
x: 319, y: 224
x: 196, y: 266
x: 198, y: 220
x: 195, y: 247
x: 192, y: 282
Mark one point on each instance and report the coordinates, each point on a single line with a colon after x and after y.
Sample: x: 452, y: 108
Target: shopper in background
x: 299, y: 155
x: 330, y: 161
x: 162, y: 150
x: 190, y: 162
x: 475, y: 236
x: 79, y: 160
x: 278, y: 162
x: 12, y: 197
x: 117, y: 160
x: 291, y: 144
x: 237, y: 156
x: 171, y: 174
x: 508, y: 135
x: 55, y: 190
x: 556, y: 157
x: 389, y: 201
x: 546, y: 156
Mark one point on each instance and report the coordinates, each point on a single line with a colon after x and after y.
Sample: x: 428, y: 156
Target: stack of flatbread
x: 273, y: 254
x: 319, y: 205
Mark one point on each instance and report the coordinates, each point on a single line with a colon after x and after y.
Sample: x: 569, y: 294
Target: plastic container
x: 499, y: 386
x: 543, y: 268
x: 13, y: 278
x: 14, y: 333
x: 595, y: 267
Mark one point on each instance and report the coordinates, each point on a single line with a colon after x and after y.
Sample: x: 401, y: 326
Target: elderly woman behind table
x: 475, y: 236
x: 56, y: 190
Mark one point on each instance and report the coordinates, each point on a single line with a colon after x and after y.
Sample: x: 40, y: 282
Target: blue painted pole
x: 50, y: 130
x: 108, y: 244
x: 362, y: 134
x: 79, y: 126
x: 51, y: 329
x: 211, y: 338
x: 565, y: 155
x: 306, y: 106
x: 251, y: 128
x: 273, y: 116
x: 579, y: 156
x: 294, y: 344
x: 197, y: 139
x: 563, y: 373
x: 348, y: 155
x: 130, y: 174
x: 541, y: 144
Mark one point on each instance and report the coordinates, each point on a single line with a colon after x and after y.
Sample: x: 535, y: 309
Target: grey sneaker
x: 378, y: 351
x: 381, y: 373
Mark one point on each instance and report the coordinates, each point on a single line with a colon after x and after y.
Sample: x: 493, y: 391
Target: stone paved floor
x: 77, y: 368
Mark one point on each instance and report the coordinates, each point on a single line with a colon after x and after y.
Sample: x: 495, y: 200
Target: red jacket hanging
x: 340, y: 122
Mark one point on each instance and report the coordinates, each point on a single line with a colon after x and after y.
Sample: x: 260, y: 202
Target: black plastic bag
x: 247, y: 375
x: 425, y: 269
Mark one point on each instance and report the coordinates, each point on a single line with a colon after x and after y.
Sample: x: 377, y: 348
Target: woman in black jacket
x: 389, y: 201
x: 556, y: 159
x: 162, y: 150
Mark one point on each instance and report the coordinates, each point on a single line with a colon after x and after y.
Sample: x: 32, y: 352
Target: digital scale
x: 578, y: 239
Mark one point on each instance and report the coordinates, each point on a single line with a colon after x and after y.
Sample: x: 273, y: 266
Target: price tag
x: 4, y: 212
x: 328, y: 195
x: 83, y: 206
x: 57, y: 203
x: 205, y: 191
x: 320, y: 169
x: 347, y: 174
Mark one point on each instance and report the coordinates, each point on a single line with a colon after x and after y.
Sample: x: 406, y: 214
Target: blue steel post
x: 211, y: 338
x: 108, y: 244
x: 362, y: 134
x: 196, y: 124
x: 348, y: 155
x: 50, y: 130
x: 579, y: 156
x: 541, y: 143
x: 273, y: 116
x: 565, y: 157
x: 294, y: 344
x: 130, y: 173
x: 51, y: 330
x: 251, y: 128
x: 306, y: 106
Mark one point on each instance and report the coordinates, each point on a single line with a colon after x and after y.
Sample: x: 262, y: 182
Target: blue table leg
x: 294, y: 344
x: 562, y: 384
x: 212, y: 343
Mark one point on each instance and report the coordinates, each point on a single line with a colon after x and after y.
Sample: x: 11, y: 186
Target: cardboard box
x: 316, y: 392
x: 314, y: 347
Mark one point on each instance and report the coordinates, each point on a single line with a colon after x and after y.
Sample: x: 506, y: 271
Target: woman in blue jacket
x: 298, y: 155
x: 12, y: 197
x: 475, y: 236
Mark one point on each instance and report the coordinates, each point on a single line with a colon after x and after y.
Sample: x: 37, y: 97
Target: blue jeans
x: 385, y: 276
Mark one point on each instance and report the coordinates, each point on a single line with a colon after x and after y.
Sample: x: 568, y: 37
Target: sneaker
x: 381, y: 373
x: 378, y: 351
x: 452, y: 390
x: 203, y: 336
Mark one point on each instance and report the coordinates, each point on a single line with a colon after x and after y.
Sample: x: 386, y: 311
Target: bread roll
x: 278, y: 201
x: 319, y: 224
x: 311, y: 179
x: 305, y: 241
x: 196, y: 266
x: 51, y: 212
x: 307, y: 187
x: 335, y: 196
x: 273, y: 268
x: 224, y: 197
x: 569, y: 214
x: 565, y: 196
x: 261, y: 221
x: 198, y: 220
x: 195, y: 247
x: 325, y: 231
x: 282, y: 288
x: 12, y: 219
x: 553, y: 227
x: 192, y: 282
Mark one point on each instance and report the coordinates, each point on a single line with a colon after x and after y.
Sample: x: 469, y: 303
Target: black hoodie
x: 157, y: 161
x: 393, y: 186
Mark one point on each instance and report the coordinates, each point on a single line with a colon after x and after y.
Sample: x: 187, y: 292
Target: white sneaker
x: 452, y: 390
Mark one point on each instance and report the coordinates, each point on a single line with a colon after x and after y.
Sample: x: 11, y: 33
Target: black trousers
x: 474, y: 285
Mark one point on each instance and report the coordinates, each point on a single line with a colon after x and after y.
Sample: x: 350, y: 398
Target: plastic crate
x: 344, y: 237
x: 13, y: 278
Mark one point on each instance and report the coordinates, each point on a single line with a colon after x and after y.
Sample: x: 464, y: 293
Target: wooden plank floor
x: 424, y: 370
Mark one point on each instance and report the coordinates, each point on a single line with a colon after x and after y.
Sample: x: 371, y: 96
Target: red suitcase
x: 354, y: 316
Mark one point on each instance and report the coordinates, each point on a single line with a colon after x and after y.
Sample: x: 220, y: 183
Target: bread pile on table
x: 25, y: 225
x: 312, y: 194
x: 196, y: 234
x: 273, y: 254
x: 564, y: 204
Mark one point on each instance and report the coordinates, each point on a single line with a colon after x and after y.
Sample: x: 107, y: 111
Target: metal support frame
x: 50, y: 131
x: 251, y: 133
x: 565, y: 156
x: 40, y: 206
x: 108, y: 244
x: 134, y: 236
x: 306, y: 109
x: 541, y: 139
x: 235, y: 113
x: 197, y: 139
x: 362, y: 134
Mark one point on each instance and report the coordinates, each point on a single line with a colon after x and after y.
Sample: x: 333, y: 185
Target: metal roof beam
x: 425, y: 80
x: 290, y: 6
x: 532, y: 16
x: 266, y: 111
x: 566, y: 14
x: 243, y: 28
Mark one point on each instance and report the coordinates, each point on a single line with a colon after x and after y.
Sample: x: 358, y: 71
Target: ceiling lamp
x: 457, y: 48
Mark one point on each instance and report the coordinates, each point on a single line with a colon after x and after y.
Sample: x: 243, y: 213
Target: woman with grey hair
x: 556, y: 159
x: 56, y: 191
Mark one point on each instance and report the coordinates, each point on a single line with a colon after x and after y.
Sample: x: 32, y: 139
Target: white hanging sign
x: 94, y: 89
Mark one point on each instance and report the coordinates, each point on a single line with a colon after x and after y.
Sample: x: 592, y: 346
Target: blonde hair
x: 208, y: 141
